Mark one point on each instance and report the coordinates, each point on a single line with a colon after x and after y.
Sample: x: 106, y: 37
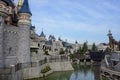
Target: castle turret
x: 42, y: 37
x: 24, y: 24
x: 3, y: 15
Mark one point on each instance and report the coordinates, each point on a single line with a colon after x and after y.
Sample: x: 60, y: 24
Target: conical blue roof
x: 25, y: 8
x: 42, y: 34
x: 76, y: 42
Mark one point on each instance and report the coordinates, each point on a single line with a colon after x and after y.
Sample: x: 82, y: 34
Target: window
x: 0, y: 23
x: 38, y: 45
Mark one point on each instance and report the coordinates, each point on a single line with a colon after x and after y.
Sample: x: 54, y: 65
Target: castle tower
x: 3, y: 15
x: 42, y: 36
x: 24, y: 24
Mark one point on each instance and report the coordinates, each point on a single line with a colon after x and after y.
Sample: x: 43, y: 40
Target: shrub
x: 46, y: 69
x: 61, y: 51
x: 46, y: 52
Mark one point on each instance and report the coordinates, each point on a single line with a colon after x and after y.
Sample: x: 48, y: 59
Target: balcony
x: 34, y: 45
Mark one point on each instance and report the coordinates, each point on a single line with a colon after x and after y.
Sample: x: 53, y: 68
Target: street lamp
x: 12, y: 71
x: 97, y: 57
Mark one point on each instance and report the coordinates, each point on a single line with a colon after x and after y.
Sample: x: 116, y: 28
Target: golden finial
x: 20, y: 3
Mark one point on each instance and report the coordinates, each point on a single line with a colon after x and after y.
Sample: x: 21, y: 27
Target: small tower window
x: 10, y: 49
x: 0, y: 23
x: 38, y: 45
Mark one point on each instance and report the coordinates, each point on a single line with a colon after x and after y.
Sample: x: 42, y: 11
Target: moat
x: 81, y: 72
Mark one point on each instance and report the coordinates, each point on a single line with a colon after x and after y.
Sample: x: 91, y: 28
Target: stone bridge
x: 110, y: 73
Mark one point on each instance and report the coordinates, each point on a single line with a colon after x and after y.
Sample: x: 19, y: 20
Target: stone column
x: 24, y: 39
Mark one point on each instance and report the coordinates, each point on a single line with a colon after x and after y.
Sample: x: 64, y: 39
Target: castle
x: 20, y: 46
x: 14, y: 33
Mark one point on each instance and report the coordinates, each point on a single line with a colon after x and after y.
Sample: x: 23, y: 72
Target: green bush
x: 46, y: 69
x: 61, y: 51
x: 104, y: 78
x: 46, y: 52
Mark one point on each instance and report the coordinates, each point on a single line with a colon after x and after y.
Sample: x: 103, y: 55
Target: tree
x: 66, y: 50
x: 61, y: 51
x: 85, y: 47
x: 107, y: 50
x: 46, y: 52
x: 94, y: 47
x: 80, y: 51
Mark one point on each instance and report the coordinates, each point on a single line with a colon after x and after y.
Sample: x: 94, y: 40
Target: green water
x: 81, y: 72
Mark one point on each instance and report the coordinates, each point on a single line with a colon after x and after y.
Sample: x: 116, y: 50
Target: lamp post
x: 12, y: 72
x: 97, y: 57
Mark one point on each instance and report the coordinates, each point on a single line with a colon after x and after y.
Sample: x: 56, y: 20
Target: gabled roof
x: 51, y: 37
x: 67, y: 45
x: 25, y: 8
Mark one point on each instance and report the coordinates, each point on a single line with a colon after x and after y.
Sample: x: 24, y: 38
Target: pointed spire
x: 25, y: 8
x: 19, y: 3
x: 109, y: 33
x: 42, y: 34
x: 76, y: 42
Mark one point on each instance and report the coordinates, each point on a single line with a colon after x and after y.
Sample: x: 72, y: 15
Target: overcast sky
x: 79, y: 20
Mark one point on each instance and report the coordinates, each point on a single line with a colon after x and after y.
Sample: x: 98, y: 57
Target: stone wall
x: 24, y: 43
x: 61, y: 66
x: 10, y: 45
x: 35, y: 72
x: 1, y: 41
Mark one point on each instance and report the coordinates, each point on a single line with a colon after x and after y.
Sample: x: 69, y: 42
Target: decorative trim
x: 24, y: 22
x: 10, y: 31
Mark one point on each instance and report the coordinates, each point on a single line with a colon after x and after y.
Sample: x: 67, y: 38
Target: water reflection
x: 81, y: 72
